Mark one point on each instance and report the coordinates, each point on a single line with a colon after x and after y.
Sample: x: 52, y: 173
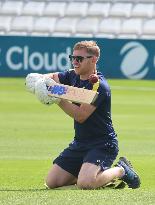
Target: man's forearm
x: 79, y: 113
x: 54, y: 76
x: 70, y: 109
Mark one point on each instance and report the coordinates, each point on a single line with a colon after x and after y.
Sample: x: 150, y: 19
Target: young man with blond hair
x: 88, y: 159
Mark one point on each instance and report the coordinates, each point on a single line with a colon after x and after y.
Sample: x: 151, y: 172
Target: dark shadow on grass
x: 119, y: 184
x: 23, y: 190
x: 71, y: 187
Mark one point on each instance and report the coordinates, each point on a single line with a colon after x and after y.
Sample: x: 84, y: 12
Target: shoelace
x: 126, y: 161
x: 130, y: 164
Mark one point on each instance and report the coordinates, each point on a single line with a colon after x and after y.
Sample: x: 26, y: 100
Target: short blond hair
x: 91, y: 47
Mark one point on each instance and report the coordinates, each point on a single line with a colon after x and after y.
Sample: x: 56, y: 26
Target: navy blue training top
x: 99, y: 123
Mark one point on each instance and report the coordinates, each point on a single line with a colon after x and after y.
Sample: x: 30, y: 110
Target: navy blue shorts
x: 96, y: 152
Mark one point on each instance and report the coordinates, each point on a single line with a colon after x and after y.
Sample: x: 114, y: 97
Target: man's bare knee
x: 51, y: 184
x: 48, y: 186
x: 58, y: 177
x: 85, y: 183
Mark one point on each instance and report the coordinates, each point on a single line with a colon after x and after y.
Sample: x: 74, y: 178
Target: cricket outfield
x: 32, y: 135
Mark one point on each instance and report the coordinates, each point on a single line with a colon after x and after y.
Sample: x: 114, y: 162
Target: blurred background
x: 38, y: 35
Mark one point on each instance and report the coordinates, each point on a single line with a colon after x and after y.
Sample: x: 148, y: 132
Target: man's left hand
x: 41, y: 91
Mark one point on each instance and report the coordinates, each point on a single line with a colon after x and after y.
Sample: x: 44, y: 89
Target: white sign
x: 135, y: 56
x: 36, y: 60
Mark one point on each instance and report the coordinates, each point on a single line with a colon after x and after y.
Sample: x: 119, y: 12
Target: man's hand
x: 41, y: 91
x: 31, y: 79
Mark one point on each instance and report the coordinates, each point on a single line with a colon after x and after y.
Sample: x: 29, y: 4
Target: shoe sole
x: 115, y: 184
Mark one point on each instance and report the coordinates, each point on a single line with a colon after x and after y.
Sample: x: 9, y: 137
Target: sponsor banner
x: 120, y: 58
x: 132, y: 59
x: 22, y: 55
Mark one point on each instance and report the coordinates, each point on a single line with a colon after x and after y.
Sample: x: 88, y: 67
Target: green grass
x: 32, y: 135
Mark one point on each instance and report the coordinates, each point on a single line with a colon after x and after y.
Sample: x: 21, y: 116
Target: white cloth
x: 41, y: 91
x: 31, y: 79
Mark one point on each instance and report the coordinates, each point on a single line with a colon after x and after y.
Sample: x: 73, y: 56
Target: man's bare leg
x: 91, y: 176
x: 58, y: 177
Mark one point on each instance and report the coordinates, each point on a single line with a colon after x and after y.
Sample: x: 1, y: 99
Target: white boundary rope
x: 132, y: 88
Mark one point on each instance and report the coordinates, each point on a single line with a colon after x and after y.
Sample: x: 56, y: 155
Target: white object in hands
x: 41, y: 91
x: 31, y: 79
